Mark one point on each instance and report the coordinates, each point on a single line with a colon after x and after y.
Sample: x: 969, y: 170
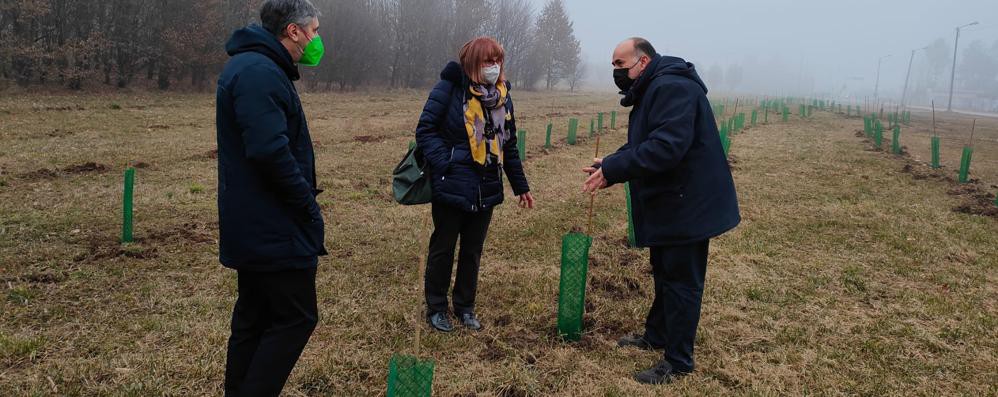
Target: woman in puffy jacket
x: 467, y: 135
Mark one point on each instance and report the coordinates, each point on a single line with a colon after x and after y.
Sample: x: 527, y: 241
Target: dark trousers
x: 450, y: 224
x: 272, y: 321
x: 674, y: 315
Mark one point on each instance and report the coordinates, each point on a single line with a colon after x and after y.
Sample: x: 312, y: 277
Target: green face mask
x: 313, y: 52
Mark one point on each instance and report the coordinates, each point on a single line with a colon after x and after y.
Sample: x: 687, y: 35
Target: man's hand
x: 597, y: 162
x: 596, y: 181
x: 526, y: 201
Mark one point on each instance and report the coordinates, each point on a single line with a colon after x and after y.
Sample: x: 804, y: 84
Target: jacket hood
x: 453, y: 72
x: 661, y: 65
x: 255, y: 38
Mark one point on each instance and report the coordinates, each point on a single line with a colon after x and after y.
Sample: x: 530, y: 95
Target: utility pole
x: 876, y: 86
x: 907, y: 77
x: 952, y: 76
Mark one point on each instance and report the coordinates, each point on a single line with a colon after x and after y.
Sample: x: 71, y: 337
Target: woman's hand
x: 526, y: 200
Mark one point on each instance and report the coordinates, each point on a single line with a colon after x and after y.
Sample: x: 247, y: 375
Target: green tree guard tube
x: 935, y: 152
x: 573, y: 129
x: 521, y: 144
x: 410, y: 377
x: 631, y: 240
x: 613, y: 120
x: 547, y: 136
x: 572, y: 285
x: 896, y: 142
x: 968, y: 153
x: 755, y: 116
x: 127, y: 203
x: 599, y: 123
x: 878, y: 134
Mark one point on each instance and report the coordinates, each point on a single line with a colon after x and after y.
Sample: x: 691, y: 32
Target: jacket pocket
x: 311, y: 240
x: 271, y: 246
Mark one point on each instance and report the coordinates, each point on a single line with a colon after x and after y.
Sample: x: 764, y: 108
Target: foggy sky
x: 835, y: 42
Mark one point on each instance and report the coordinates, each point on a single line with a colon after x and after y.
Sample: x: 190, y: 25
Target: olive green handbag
x: 410, y: 184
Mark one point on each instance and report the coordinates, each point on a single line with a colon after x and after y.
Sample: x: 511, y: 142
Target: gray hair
x: 276, y: 15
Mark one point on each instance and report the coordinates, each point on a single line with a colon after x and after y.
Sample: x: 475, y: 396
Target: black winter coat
x: 681, y: 186
x: 268, y: 218
x: 457, y: 180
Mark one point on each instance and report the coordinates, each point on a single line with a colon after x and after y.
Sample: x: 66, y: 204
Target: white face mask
x: 491, y: 74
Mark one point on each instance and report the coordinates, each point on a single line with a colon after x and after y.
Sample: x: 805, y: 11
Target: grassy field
x: 852, y: 273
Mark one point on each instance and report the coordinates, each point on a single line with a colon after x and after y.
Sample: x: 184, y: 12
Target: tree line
x: 179, y: 44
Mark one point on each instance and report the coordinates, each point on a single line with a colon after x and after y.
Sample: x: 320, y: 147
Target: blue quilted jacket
x: 441, y: 136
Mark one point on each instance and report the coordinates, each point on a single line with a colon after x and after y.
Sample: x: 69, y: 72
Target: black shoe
x: 660, y: 374
x: 469, y: 321
x: 638, y: 341
x: 440, y: 321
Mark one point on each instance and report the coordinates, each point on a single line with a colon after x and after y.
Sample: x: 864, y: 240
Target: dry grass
x: 848, y: 276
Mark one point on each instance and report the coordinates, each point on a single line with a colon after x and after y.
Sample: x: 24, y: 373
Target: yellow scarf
x: 474, y: 114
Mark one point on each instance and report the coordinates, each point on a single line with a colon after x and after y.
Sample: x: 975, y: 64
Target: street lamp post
x: 907, y: 77
x: 952, y: 76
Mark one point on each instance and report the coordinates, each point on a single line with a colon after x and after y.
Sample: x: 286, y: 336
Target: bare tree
x: 180, y: 43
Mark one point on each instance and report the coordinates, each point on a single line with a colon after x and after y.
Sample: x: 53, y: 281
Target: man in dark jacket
x: 681, y: 190
x: 270, y: 225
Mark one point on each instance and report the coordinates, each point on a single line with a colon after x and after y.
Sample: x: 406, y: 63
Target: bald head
x: 631, y: 48
x: 634, y: 54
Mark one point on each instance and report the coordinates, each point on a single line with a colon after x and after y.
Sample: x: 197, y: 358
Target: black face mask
x: 620, y: 77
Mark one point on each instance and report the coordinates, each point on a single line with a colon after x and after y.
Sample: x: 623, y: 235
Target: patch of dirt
x: 978, y: 207
x: 492, y: 352
x: 512, y: 391
x: 158, y: 127
x: 629, y: 258
x: 189, y: 232
x: 40, y: 174
x: 57, y: 108
x: 140, y: 165
x: 370, y: 138
x: 502, y: 320
x: 976, y: 200
x: 617, y: 288
x: 59, y: 133
x: 86, y: 168
x: 101, y: 250
x: 922, y: 171
x: 44, y: 277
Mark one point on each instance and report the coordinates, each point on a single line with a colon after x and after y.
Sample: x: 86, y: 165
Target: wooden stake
x: 592, y: 198
x: 934, y: 118
x: 973, y: 127
x: 423, y: 253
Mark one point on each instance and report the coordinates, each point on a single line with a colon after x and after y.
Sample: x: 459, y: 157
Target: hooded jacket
x: 442, y: 138
x: 682, y: 191
x: 269, y: 219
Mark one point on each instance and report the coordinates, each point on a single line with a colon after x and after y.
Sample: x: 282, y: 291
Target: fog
x: 786, y: 47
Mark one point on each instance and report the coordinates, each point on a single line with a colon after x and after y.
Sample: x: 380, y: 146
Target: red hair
x: 477, y: 52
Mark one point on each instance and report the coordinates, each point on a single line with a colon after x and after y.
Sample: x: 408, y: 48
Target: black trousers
x: 449, y: 225
x: 272, y: 321
x: 672, y: 320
